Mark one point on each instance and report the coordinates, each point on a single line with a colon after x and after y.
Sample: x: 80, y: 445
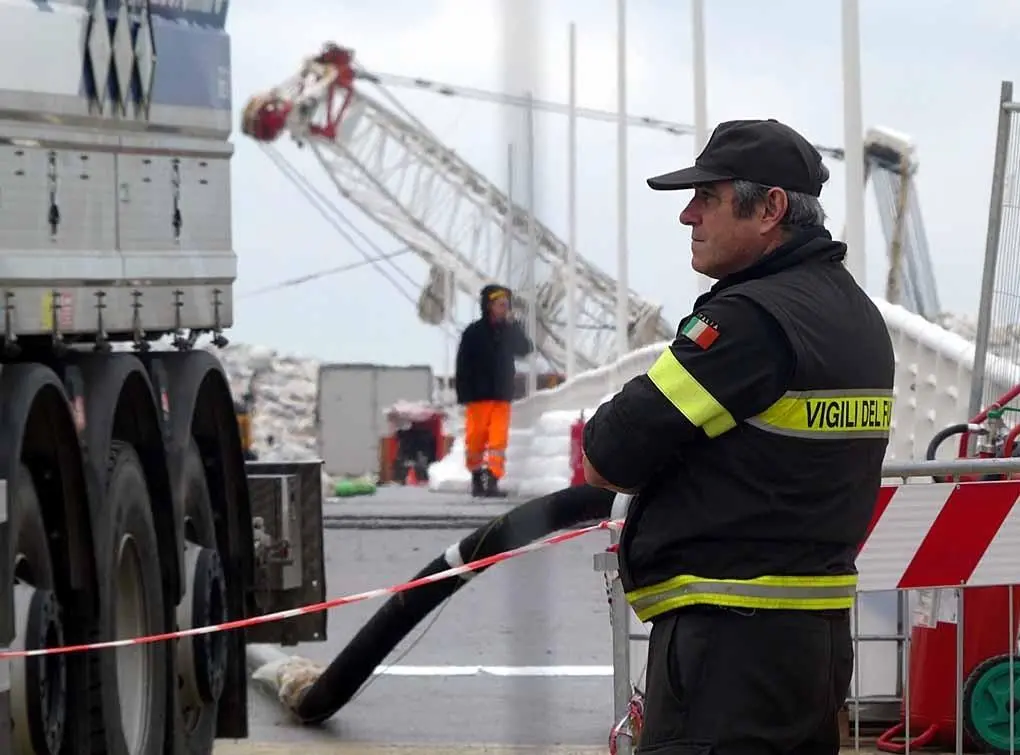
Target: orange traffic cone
x: 412, y: 476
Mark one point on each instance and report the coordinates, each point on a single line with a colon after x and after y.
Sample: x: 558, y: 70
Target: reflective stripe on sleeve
x: 858, y: 413
x: 689, y: 396
x: 789, y: 593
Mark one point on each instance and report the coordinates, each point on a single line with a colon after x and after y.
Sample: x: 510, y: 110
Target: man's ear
x: 773, y: 209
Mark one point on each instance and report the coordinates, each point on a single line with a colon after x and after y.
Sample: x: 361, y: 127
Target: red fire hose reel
x: 994, y: 438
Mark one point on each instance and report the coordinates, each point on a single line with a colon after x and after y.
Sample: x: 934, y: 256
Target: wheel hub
x: 39, y: 685
x: 134, y: 669
x: 202, y: 659
x: 994, y: 692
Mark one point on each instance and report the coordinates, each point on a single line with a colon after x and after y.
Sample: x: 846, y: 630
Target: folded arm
x: 730, y: 361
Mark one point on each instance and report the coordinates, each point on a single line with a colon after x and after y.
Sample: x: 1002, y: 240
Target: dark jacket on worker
x: 756, y: 441
x: 485, y: 356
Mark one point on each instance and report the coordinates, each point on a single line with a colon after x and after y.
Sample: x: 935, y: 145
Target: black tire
x: 33, y: 565
x: 196, y: 720
x: 130, y: 707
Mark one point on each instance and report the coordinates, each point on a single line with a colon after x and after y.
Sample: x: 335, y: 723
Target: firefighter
x: 753, y: 447
x: 485, y: 375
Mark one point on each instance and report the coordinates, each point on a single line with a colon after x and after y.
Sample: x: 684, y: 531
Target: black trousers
x: 723, y: 681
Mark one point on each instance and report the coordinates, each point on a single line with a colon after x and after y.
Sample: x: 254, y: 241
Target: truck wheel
x: 131, y: 704
x: 201, y: 660
x: 39, y: 685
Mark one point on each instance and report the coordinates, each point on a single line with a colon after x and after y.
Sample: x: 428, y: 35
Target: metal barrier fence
x: 998, y: 326
x: 939, y: 555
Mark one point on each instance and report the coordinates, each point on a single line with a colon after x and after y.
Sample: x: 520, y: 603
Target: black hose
x: 400, y: 614
x: 938, y: 438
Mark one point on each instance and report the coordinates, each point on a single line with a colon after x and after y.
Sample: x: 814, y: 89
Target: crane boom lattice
x: 890, y: 166
x: 452, y: 216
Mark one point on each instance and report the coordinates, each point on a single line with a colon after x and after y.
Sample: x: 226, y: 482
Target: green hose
x: 353, y: 487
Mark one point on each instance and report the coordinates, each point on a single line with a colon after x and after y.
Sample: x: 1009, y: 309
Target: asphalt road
x: 538, y: 623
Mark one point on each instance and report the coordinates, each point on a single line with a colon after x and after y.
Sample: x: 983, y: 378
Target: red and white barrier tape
x: 630, y: 725
x: 317, y: 607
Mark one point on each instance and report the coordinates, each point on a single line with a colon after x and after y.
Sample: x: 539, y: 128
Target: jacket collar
x: 814, y: 244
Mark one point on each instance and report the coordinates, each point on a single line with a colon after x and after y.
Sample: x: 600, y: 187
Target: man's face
x: 723, y: 243
x: 499, y: 308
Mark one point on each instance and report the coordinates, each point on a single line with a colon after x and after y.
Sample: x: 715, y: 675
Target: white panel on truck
x: 351, y: 402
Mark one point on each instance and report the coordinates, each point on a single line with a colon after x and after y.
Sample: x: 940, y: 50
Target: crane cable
x: 384, y: 80
x: 332, y: 215
x: 308, y: 278
x: 893, y: 279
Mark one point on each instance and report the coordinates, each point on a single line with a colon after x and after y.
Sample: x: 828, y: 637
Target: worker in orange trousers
x: 484, y: 380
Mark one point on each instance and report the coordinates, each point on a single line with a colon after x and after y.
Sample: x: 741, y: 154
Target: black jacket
x: 485, y: 357
x: 757, y: 442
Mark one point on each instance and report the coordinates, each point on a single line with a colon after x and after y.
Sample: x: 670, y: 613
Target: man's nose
x: 688, y: 216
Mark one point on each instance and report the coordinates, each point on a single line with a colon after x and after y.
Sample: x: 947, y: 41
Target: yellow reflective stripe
x: 689, y: 396
x: 829, y: 414
x: 736, y: 601
x: 768, y: 592
x: 683, y: 580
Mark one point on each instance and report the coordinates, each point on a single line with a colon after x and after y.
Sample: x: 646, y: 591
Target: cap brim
x: 687, y: 178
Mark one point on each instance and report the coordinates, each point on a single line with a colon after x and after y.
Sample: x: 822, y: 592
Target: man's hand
x: 596, y: 480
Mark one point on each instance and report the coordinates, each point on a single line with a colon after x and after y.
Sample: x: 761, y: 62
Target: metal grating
x: 1005, y: 310
x: 998, y: 329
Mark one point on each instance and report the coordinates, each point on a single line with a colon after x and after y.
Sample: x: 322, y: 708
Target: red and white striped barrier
x: 942, y: 535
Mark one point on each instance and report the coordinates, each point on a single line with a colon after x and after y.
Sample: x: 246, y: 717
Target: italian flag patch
x: 700, y: 330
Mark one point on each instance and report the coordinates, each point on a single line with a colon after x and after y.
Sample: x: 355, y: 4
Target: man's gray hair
x: 802, y: 211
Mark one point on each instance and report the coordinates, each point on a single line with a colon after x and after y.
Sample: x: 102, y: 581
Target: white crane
x: 403, y: 177
x: 388, y: 164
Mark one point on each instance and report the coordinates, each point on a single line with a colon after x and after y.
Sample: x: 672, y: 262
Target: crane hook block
x: 264, y: 117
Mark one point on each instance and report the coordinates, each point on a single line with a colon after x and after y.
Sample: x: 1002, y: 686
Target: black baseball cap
x: 765, y: 152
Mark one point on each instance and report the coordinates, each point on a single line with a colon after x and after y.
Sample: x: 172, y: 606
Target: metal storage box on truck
x: 349, y: 414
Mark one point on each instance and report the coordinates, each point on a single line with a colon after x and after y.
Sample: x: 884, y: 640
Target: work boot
x: 492, y: 487
x: 477, y: 483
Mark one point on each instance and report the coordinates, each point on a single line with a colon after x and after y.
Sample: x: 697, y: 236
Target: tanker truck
x: 127, y: 507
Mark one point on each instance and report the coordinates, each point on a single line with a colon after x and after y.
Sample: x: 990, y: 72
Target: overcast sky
x: 931, y: 69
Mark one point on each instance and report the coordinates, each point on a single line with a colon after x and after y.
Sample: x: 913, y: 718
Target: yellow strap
x: 689, y: 396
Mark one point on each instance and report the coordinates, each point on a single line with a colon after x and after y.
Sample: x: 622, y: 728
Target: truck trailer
x: 128, y: 508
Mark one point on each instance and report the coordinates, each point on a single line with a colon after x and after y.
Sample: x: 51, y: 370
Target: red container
x: 933, y: 665
x: 576, y: 452
x: 435, y: 426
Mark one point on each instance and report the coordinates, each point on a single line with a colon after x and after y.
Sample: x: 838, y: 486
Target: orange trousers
x: 486, y: 431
